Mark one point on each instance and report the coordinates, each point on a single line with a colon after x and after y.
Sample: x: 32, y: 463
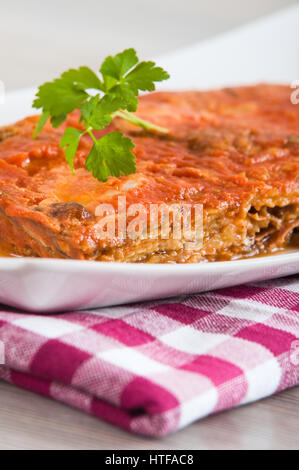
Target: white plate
x: 42, y: 285
x: 263, y: 51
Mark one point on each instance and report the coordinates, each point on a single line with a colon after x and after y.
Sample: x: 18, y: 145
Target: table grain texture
x: 41, y: 40
x: 29, y: 421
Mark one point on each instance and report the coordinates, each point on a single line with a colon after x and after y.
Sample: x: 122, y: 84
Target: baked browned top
x: 235, y: 151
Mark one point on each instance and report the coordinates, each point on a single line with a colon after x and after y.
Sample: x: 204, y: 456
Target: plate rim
x: 151, y: 268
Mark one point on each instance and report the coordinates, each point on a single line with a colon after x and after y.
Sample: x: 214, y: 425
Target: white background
x: 40, y: 39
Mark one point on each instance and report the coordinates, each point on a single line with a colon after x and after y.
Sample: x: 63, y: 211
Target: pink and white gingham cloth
x: 154, y: 368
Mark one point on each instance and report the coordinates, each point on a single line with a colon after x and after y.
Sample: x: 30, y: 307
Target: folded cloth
x: 155, y: 367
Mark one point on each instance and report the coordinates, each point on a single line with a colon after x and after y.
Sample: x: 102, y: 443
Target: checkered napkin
x: 153, y: 368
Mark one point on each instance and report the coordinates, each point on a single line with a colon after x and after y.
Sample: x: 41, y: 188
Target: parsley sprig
x: 99, y: 101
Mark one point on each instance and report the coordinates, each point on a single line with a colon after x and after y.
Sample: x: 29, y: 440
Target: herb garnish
x: 123, y: 76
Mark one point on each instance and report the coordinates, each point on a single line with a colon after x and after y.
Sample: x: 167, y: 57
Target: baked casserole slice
x: 233, y: 151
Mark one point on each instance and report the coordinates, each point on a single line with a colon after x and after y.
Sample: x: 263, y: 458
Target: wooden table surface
x: 29, y: 421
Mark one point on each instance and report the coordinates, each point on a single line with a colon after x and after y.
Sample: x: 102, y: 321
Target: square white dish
x: 262, y: 51
x: 50, y: 285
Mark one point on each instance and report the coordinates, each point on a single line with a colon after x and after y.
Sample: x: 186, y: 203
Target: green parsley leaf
x: 94, y: 113
x: 56, y: 121
x: 70, y: 140
x: 123, y: 79
x: 41, y: 123
x: 58, y: 99
x: 125, y: 96
x: 111, y: 155
x: 117, y: 66
x: 110, y: 103
x: 143, y: 76
x: 82, y: 78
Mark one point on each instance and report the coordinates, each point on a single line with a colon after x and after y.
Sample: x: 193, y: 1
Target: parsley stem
x: 89, y: 131
x: 149, y: 126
